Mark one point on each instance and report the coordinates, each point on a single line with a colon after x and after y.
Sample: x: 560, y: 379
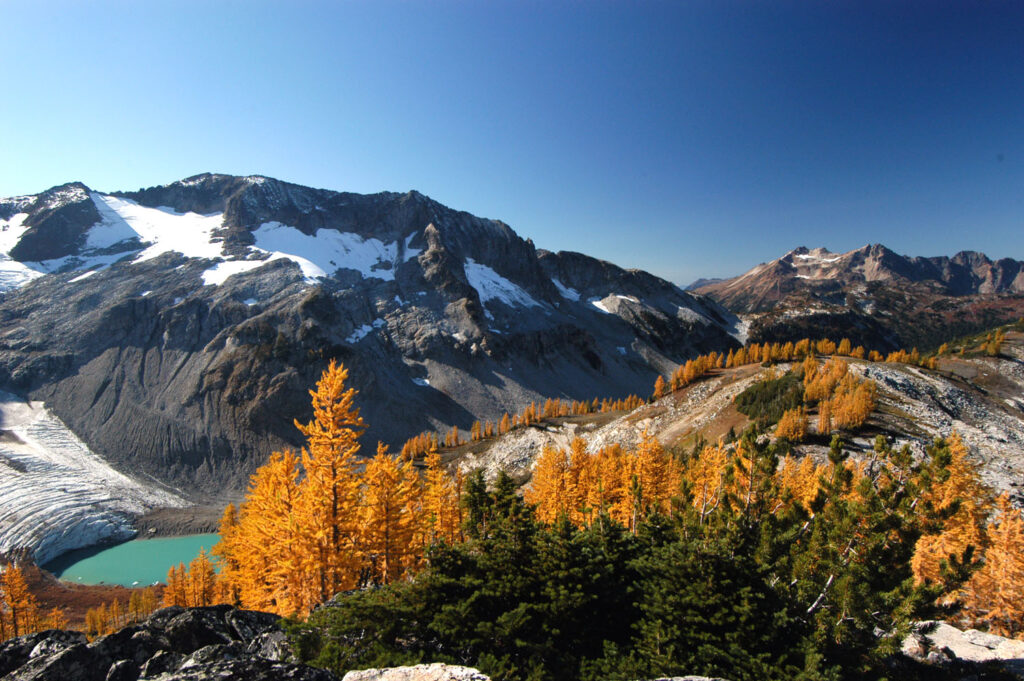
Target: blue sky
x: 686, y: 138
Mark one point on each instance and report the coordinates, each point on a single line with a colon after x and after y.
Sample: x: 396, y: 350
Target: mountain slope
x: 874, y: 296
x: 177, y: 329
x: 981, y: 398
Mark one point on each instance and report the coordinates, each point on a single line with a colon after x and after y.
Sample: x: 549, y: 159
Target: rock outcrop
x: 943, y: 645
x: 173, y: 644
x: 419, y: 672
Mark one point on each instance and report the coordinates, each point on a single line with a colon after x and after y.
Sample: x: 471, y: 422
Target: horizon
x: 690, y: 141
x: 684, y: 285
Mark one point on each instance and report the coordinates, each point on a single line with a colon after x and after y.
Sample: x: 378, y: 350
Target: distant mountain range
x: 177, y: 329
x: 873, y: 295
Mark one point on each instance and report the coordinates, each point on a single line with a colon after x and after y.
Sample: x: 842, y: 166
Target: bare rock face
x: 173, y: 644
x: 420, y: 672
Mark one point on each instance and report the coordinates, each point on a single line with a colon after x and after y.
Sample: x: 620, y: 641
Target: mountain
x: 176, y: 330
x: 873, y: 295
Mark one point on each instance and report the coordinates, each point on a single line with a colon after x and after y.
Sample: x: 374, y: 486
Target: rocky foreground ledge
x: 223, y: 643
x: 173, y: 644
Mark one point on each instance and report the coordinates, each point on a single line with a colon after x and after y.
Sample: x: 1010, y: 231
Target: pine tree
x: 655, y: 473
x: 57, y: 619
x: 265, y: 547
x: 175, y: 593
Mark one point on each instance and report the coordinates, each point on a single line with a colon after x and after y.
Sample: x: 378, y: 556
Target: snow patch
x: 318, y: 256
x: 250, y: 301
x: 421, y: 381
x: 65, y: 196
x: 817, y: 258
x: 567, y: 293
x: 599, y: 304
x: 11, y: 231
x: 85, y: 275
x: 622, y: 350
x: 363, y: 331
x: 492, y: 286
x: 219, y: 273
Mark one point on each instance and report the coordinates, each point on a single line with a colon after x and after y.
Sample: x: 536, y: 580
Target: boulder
x: 17, y: 651
x: 943, y: 645
x: 419, y: 672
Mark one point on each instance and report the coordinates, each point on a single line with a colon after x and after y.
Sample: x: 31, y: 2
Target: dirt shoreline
x: 177, y: 522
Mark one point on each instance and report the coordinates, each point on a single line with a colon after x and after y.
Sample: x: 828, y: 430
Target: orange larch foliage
x: 962, y: 490
x: 389, y: 516
x: 707, y: 476
x: 659, y: 387
x: 19, y: 610
x: 995, y: 594
x: 442, y: 514
x: 265, y: 546
x: 326, y: 511
x: 792, y: 426
x: 656, y: 474
x: 549, y: 485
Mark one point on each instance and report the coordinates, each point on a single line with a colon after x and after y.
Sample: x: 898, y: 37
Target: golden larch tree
x: 327, y: 508
x: 962, y: 490
x: 995, y: 593
x: 388, y: 522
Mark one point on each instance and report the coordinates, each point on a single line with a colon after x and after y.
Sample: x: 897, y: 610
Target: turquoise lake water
x: 139, y: 562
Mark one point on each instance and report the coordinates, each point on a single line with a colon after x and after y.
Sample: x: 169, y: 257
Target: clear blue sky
x: 688, y: 138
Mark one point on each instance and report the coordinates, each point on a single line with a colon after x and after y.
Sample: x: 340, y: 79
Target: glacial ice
x: 55, y: 494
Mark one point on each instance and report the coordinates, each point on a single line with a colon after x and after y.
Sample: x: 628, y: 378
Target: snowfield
x: 55, y: 494
x: 492, y: 286
x: 127, y: 230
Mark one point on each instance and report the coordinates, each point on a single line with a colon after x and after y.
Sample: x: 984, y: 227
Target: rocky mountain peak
x: 57, y: 221
x: 178, y: 332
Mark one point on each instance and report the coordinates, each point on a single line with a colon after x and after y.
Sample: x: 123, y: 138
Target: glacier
x: 55, y: 494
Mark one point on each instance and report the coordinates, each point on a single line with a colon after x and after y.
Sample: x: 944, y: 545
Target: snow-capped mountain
x: 177, y: 329
x: 873, y: 295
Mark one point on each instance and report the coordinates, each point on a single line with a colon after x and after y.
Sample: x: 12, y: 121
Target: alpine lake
x: 139, y: 562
